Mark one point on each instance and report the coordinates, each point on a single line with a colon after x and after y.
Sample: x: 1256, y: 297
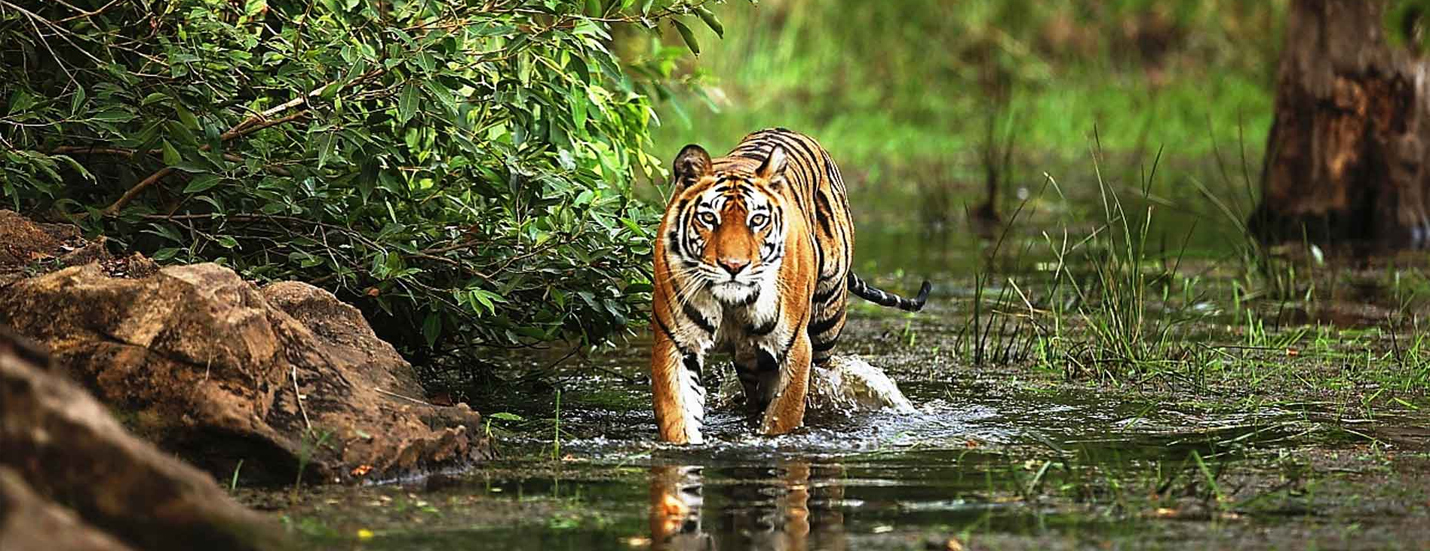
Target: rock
x: 28, y: 521
x: 382, y: 415
x: 211, y: 368
x: 31, y: 248
x: 117, y: 491
x: 23, y: 241
x: 850, y: 384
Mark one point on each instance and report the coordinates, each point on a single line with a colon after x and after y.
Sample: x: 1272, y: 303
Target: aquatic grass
x: 1011, y: 343
x: 1121, y: 303
x: 312, y: 440
x: 556, y: 430
x: 233, y: 481
x: 1117, y: 336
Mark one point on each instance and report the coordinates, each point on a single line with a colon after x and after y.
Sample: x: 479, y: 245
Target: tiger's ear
x: 774, y: 166
x: 690, y: 165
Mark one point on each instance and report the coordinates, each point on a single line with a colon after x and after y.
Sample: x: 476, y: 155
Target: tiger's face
x: 729, y: 227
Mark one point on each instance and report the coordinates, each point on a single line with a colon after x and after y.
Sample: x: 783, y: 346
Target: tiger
x: 752, y: 258
x: 792, y: 504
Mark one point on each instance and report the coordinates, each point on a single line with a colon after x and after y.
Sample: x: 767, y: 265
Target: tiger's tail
x: 883, y: 298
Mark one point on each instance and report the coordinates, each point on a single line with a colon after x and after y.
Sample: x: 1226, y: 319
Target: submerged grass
x: 1109, y: 302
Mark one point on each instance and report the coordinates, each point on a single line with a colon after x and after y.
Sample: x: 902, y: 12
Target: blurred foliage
x: 1405, y: 21
x: 460, y: 169
x: 903, y: 81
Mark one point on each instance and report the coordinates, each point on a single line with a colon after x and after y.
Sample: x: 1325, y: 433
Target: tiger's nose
x: 733, y: 265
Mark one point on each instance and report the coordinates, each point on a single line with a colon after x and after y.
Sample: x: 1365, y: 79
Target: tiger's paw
x: 683, y: 436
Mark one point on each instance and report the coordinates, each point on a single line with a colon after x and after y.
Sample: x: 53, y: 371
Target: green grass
x: 914, y: 90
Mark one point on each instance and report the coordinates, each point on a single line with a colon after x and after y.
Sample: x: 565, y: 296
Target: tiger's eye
x: 758, y: 220
x: 707, y: 218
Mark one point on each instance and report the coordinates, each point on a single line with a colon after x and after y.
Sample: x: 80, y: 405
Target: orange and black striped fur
x: 752, y: 258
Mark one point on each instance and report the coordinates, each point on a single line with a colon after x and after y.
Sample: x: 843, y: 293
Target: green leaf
x: 166, y: 253
x: 203, y: 182
x: 426, y: 62
x: 21, y: 101
x: 579, y: 103
x: 710, y: 21
x: 115, y: 115
x: 440, y: 91
x: 407, y: 103
x: 432, y: 328
x: 687, y: 35
x: 422, y: 139
x: 79, y: 168
x: 187, y: 117
x: 171, y: 155
x: 328, y: 142
x: 505, y: 416
x: 77, y: 101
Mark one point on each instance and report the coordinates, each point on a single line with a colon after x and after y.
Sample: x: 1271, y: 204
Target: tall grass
x: 1107, y: 281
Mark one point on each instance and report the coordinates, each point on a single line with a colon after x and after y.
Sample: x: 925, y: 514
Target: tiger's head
x: 727, y: 223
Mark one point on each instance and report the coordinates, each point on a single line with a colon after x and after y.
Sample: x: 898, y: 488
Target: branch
x: 132, y: 153
x: 254, y: 123
x: 244, y: 128
x: 283, y: 221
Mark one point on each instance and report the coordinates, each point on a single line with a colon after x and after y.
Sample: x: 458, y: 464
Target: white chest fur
x: 745, y: 328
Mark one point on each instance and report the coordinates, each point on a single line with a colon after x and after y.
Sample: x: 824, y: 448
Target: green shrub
x: 461, y: 169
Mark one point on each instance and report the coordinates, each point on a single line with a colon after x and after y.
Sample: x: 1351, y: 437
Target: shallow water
x: 983, y: 456
x: 996, y: 455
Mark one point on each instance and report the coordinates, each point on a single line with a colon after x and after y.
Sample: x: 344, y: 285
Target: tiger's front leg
x: 675, y: 388
x: 786, y: 411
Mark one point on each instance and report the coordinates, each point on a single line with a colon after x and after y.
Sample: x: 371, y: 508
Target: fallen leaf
x: 953, y: 545
x: 361, y: 470
x: 364, y: 534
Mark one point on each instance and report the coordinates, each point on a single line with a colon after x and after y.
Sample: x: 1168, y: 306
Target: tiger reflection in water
x: 795, y: 506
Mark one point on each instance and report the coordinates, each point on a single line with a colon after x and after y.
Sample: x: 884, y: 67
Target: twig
x: 132, y: 153
x: 235, y: 158
x: 91, y: 150
x: 242, y: 130
x: 299, y: 394
x: 413, y: 400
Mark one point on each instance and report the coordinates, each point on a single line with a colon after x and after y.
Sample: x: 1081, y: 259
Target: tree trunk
x: 1345, y: 161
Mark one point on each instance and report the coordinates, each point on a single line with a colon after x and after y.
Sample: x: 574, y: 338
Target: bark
x: 1346, y: 155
